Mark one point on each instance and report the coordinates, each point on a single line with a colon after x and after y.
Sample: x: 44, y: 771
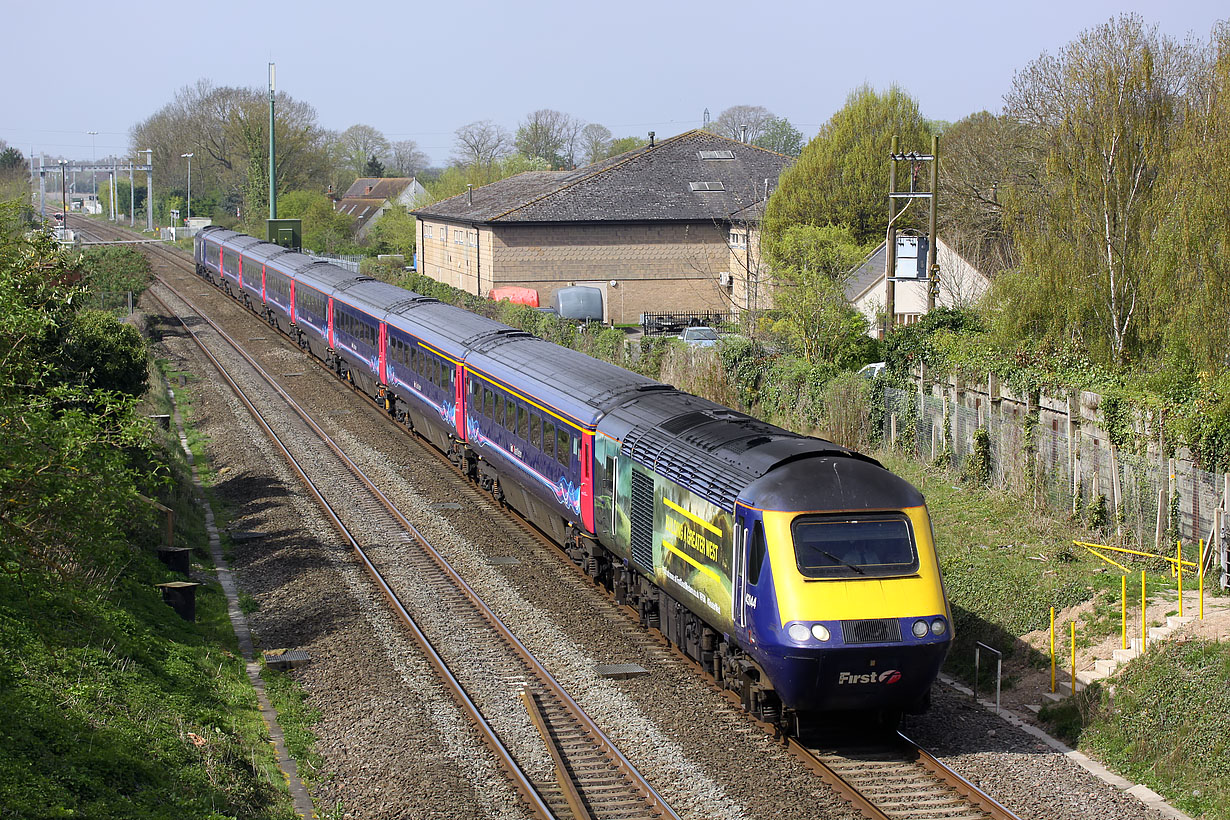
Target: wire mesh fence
x: 1059, y: 465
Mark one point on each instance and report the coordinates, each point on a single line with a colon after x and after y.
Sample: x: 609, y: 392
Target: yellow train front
x: 842, y: 605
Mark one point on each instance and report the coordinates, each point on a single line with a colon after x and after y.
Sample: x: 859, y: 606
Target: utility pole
x: 890, y: 247
x: 933, y: 270
x: 149, y: 188
x: 94, y: 161
x: 273, y: 182
x: 930, y: 274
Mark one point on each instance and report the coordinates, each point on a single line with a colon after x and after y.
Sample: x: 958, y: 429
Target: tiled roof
x: 381, y: 187
x: 669, y: 181
x: 360, y: 207
x: 866, y: 274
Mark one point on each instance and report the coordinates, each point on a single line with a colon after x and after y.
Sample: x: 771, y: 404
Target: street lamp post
x: 188, y: 156
x: 93, y: 161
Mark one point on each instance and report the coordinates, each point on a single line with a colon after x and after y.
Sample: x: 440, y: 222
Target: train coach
x: 800, y: 574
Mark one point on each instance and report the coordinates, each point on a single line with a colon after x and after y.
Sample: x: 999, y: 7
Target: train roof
x: 447, y: 328
x: 375, y: 297
x: 265, y: 251
x: 573, y: 383
x: 714, y: 451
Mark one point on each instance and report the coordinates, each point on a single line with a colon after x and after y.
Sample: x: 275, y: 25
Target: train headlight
x: 938, y: 627
x: 798, y: 632
x: 820, y: 632
x: 920, y: 629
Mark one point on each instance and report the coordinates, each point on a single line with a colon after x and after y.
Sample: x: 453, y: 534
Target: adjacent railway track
x: 894, y: 780
x: 590, y: 777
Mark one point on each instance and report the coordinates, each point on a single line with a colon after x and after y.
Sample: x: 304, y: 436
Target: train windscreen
x: 854, y: 546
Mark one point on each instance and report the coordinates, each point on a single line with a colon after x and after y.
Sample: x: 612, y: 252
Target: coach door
x: 739, y: 608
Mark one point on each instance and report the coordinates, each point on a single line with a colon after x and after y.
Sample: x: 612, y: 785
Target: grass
x: 1165, y: 725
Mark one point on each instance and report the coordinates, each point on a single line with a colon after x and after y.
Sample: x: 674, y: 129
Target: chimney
x: 469, y: 194
x: 742, y: 133
x: 367, y: 190
x: 651, y: 139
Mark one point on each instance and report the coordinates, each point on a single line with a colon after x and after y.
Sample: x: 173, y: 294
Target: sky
x: 420, y: 71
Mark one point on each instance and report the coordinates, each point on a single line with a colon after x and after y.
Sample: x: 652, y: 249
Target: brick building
x: 656, y: 229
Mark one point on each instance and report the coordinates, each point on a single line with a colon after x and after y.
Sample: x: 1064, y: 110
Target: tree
x: 734, y: 120
x: 1102, y: 114
x: 374, y: 167
x: 14, y: 175
x: 814, y: 317
x: 405, y: 158
x: 622, y: 145
x: 1193, y: 237
x: 550, y: 135
x: 325, y: 230
x: 227, y: 131
x: 841, y: 177
x: 360, y: 143
x: 595, y: 142
x: 480, y: 144
x: 780, y: 136
x: 453, y: 180
x: 984, y: 161
x: 394, y: 232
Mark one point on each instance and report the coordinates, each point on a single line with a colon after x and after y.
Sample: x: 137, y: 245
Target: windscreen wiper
x: 859, y: 570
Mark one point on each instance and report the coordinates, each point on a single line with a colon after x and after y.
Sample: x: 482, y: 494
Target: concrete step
x: 1106, y: 667
x: 1125, y: 655
x: 1088, y: 676
x: 1176, y: 621
x: 1159, y: 633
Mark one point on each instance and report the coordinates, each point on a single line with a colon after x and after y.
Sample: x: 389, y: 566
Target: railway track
x: 896, y: 779
x: 591, y: 777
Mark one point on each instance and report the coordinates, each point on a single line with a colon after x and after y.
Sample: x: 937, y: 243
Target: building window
x: 427, y: 231
x: 738, y: 239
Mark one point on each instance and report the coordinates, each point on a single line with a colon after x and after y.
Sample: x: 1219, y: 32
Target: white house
x: 961, y: 285
x: 368, y: 198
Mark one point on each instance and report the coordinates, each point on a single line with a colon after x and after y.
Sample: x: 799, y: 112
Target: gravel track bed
x: 701, y: 755
x: 393, y: 741
x: 1023, y: 774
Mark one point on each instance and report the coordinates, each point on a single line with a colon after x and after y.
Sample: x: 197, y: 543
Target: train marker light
x: 920, y: 629
x: 820, y: 632
x: 938, y: 627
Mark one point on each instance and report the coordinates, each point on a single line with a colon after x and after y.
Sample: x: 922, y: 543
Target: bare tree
x: 360, y: 143
x: 731, y: 122
x: 406, y: 159
x: 551, y: 135
x: 480, y: 144
x: 595, y: 142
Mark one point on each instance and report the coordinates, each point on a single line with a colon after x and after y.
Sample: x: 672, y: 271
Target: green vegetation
x: 113, y: 705
x: 1163, y: 725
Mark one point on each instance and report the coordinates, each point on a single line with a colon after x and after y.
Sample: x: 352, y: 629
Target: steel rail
x: 864, y: 805
x: 650, y: 796
x: 491, y: 738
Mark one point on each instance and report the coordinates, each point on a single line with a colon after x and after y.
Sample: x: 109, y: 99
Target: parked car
x: 870, y: 371
x: 700, y: 336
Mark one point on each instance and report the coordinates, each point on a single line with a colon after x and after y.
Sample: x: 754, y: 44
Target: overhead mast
x: 273, y: 189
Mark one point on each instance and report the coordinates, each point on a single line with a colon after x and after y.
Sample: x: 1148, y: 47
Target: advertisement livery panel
x: 694, y: 551
x: 688, y: 540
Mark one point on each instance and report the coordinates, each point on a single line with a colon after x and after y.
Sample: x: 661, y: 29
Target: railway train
x: 802, y: 575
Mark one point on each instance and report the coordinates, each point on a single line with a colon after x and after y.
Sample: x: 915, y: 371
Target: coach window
x: 536, y: 432
x: 523, y: 422
x: 510, y: 416
x: 488, y: 402
x: 562, y: 451
x: 548, y: 438
x: 499, y: 409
